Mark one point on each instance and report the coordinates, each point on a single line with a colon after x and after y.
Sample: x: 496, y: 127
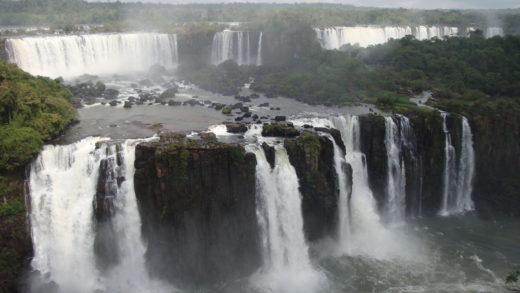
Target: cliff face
x: 424, y: 163
x: 197, y: 203
x: 193, y: 45
x: 3, y: 50
x: 372, y: 128
x: 313, y: 158
x: 496, y: 188
x: 15, y: 238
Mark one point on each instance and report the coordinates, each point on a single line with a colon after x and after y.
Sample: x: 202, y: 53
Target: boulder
x: 236, y: 127
x: 279, y: 130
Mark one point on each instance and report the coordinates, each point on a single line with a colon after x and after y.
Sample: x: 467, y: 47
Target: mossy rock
x: 226, y: 111
x: 279, y: 130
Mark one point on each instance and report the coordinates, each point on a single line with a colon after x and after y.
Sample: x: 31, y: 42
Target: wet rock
x: 208, y: 136
x: 255, y: 117
x: 146, y: 82
x: 174, y: 103
x: 237, y: 106
x: 279, y: 130
x: 236, y: 127
x: 243, y: 98
x: 113, y: 103
x: 226, y: 111
x: 312, y: 156
x: 265, y: 105
x: 127, y: 105
x: 192, y: 102
x: 169, y: 93
x: 247, y: 115
x: 279, y: 118
x: 269, y: 153
x: 198, y: 208
x: 110, y: 94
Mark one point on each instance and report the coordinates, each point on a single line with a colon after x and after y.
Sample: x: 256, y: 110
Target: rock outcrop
x: 197, y: 203
x: 313, y: 158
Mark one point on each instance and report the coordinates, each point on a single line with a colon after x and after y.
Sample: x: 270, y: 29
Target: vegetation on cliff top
x: 32, y: 110
x: 71, y: 12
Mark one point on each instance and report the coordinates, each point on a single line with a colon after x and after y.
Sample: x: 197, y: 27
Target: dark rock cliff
x: 496, y: 188
x: 372, y: 128
x: 424, y: 162
x: 313, y: 158
x: 3, y: 50
x: 197, y: 203
x: 425, y: 194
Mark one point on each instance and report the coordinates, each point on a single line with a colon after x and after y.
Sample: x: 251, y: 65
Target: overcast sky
x: 427, y: 4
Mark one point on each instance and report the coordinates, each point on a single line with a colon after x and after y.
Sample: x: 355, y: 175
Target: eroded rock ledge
x: 197, y: 203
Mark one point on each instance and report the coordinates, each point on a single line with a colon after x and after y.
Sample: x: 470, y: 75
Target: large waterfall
x: 396, y: 180
x: 239, y: 46
x: 287, y: 266
x: 458, y: 175
x: 63, y: 185
x: 98, y: 54
x: 344, y: 186
x: 333, y: 38
x: 365, y: 220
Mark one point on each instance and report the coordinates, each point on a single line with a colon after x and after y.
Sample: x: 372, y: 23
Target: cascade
x: 344, y: 233
x: 259, y: 50
x: 458, y: 176
x: 396, y: 178
x: 98, y: 54
x: 466, y: 170
x: 409, y: 152
x: 365, y: 221
x: 333, y: 38
x: 63, y: 184
x: 235, y: 45
x: 287, y: 266
x: 490, y: 32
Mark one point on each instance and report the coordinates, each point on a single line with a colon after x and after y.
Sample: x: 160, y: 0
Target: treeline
x: 459, y: 72
x: 164, y: 16
x: 32, y: 110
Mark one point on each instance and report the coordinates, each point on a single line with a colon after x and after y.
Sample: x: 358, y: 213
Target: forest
x: 66, y: 14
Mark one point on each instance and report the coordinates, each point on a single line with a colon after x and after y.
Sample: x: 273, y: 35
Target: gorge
x: 320, y: 170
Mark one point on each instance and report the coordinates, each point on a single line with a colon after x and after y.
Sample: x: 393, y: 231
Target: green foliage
x: 513, y: 277
x: 32, y: 109
x: 66, y: 14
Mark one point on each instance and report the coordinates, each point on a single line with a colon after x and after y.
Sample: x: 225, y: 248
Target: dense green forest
x: 118, y: 16
x: 459, y: 71
x: 32, y: 110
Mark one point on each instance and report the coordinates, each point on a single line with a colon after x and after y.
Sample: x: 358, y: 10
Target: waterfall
x: 236, y: 46
x: 490, y: 32
x: 259, y: 50
x: 458, y: 178
x: 396, y: 178
x: 98, y: 54
x: 287, y: 266
x: 365, y: 221
x: 333, y: 38
x: 344, y: 234
x: 466, y: 170
x: 415, y: 178
x: 63, y: 183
